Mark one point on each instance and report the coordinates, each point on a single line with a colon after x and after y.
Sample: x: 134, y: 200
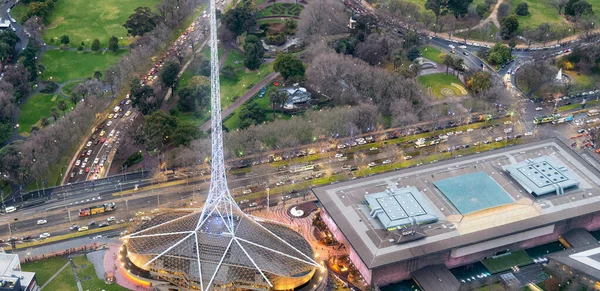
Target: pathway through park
x: 55, y: 274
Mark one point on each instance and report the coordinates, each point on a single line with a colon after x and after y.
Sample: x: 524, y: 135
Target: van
x: 10, y: 209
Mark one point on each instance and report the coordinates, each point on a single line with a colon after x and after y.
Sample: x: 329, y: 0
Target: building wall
x: 354, y: 257
x: 402, y: 270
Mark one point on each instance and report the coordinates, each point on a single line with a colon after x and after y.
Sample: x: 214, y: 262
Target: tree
x: 240, y: 19
x: 278, y: 97
x: 588, y: 22
x: 499, y: 54
x: 142, y: 97
x: 459, y: 7
x: 62, y: 106
x: 205, y: 68
x: 522, y: 9
x: 509, y: 26
x: 113, y: 44
x: 503, y: 10
x: 228, y: 72
x: 535, y: 74
x: 580, y: 8
x: 97, y: 75
x: 95, y: 45
x: 479, y: 82
x: 64, y: 39
x: 482, y: 9
x: 54, y: 113
x: 251, y: 114
x: 558, y: 5
x: 168, y: 75
x: 254, y: 54
x: 187, y: 100
x: 140, y: 22
x: 185, y: 133
x: 413, y: 53
x: 158, y: 126
x: 448, y: 61
x: 438, y: 7
x: 290, y: 26
x: 321, y: 19
x: 288, y: 65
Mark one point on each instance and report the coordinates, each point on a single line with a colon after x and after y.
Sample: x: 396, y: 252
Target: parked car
x: 112, y: 218
x: 91, y: 223
x: 73, y: 227
x: 42, y: 221
x: 44, y: 235
x: 103, y: 224
x: 83, y: 228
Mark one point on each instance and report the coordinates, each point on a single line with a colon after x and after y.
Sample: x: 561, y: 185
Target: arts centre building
x: 447, y: 214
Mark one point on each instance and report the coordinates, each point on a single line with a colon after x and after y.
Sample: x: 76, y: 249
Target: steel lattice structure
x: 220, y: 247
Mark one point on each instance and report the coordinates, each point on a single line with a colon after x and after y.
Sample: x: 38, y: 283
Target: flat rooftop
x: 585, y: 259
x: 528, y: 215
x: 473, y: 192
x: 542, y: 175
x: 399, y: 207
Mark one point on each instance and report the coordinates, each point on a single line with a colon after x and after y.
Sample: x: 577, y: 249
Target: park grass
x: 19, y: 12
x: 89, y: 279
x: 503, y: 263
x: 268, y: 21
x: 486, y: 33
x: 539, y: 12
x: 234, y: 59
x: 62, y: 65
x: 233, y: 122
x: 37, y: 107
x: 432, y: 54
x: 86, y: 20
x: 581, y: 81
x: 46, y: 268
x: 245, y: 80
x: 68, y: 88
x: 439, y: 81
x: 281, y: 9
x: 577, y: 105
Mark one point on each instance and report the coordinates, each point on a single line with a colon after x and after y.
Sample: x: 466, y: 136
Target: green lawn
x: 439, y: 82
x: 38, y: 106
x: 485, y: 33
x: 281, y: 9
x: 68, y: 88
x: 539, y: 12
x: 44, y: 269
x: 19, y: 12
x: 84, y: 20
x: 62, y: 66
x: 88, y: 277
x: 234, y: 59
x: 431, y: 53
x: 232, y: 88
x: 499, y: 264
x: 233, y: 122
x: 581, y: 81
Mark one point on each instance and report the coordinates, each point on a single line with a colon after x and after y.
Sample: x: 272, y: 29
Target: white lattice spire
x: 219, y: 198
x: 220, y: 247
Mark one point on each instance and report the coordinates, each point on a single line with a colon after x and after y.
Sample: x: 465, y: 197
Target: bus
x: 97, y: 209
x: 421, y: 142
x: 545, y: 119
x: 563, y: 119
x: 303, y: 168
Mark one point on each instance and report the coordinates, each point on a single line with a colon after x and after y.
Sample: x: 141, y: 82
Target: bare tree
x: 559, y: 5
x: 35, y: 27
x: 535, y: 74
x: 321, y: 19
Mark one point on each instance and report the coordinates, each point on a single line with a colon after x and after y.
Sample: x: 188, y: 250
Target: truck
x: 97, y: 209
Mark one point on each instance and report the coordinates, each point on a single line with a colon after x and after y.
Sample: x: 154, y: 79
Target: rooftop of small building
x: 345, y: 203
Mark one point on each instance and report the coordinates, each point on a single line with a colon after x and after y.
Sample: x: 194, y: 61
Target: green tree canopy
x: 158, y: 127
x: 113, y: 44
x: 288, y: 65
x: 509, y: 26
x: 168, y: 75
x: 241, y: 18
x: 141, y: 21
x: 499, y: 54
x: 522, y: 9
x: 95, y: 45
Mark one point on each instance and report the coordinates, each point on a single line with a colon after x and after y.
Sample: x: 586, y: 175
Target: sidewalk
x: 112, y: 265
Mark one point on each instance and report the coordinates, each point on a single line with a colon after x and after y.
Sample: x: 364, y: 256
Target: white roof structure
x: 542, y: 175
x: 400, y: 207
x: 219, y: 247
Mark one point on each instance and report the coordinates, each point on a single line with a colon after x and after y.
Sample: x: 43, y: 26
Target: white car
x: 77, y: 163
x: 112, y: 218
x: 499, y: 138
x: 247, y: 191
x: 538, y: 109
x: 42, y: 221
x: 339, y: 155
x: 128, y: 102
x: 109, y: 123
x: 45, y: 235
x: 386, y: 162
x: 372, y: 164
x: 469, y: 130
x: 111, y: 133
x: 88, y: 144
x: 96, y: 160
x: 528, y: 133
x: 83, y: 228
x: 146, y: 218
